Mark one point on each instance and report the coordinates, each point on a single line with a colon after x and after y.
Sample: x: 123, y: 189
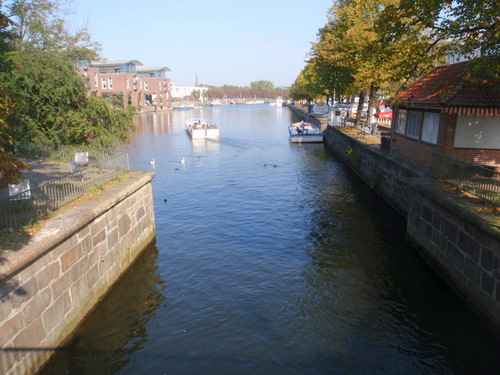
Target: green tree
x: 306, y: 86
x: 40, y: 24
x: 10, y: 166
x: 262, y: 85
x: 465, y: 27
x: 54, y: 107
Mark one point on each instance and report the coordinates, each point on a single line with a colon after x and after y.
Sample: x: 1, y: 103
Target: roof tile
x: 452, y: 86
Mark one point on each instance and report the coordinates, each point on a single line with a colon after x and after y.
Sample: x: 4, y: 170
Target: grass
x: 11, y: 239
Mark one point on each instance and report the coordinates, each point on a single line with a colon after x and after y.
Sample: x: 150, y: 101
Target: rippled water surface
x: 271, y: 258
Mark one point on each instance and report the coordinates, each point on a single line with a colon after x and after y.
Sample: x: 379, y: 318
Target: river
x: 271, y: 258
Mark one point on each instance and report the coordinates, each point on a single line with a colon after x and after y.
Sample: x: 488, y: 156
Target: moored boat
x: 200, y: 128
x: 305, y: 132
x: 277, y: 103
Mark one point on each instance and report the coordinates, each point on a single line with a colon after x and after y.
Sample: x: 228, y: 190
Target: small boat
x: 278, y: 103
x: 200, y: 128
x: 302, y: 132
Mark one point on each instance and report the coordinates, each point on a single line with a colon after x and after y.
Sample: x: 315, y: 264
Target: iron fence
x: 474, y: 179
x: 52, y: 195
x: 61, y: 153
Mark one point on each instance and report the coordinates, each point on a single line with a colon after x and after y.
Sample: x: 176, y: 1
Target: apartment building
x: 146, y: 88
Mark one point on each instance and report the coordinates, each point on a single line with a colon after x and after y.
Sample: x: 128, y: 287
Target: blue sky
x: 223, y: 41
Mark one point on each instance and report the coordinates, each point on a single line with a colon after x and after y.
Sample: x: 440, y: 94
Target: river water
x: 271, y: 258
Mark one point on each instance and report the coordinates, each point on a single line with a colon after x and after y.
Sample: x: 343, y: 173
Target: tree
x: 306, y: 86
x: 39, y: 24
x: 262, y: 85
x: 54, y: 107
x: 464, y: 27
x: 10, y: 166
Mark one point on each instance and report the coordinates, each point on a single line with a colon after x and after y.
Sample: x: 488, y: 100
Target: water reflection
x: 155, y: 123
x: 201, y: 145
x: 104, y: 341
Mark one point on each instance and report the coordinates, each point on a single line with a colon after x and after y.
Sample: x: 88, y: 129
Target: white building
x: 180, y: 92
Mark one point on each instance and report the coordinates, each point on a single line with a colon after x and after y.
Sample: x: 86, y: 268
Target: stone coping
x: 69, y: 220
x: 462, y: 206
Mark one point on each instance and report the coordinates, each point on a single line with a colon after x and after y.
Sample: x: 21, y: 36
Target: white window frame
x: 110, y: 83
x: 401, y: 121
x: 413, y: 124
x: 146, y: 86
x: 128, y: 82
x: 430, y: 127
x: 96, y: 81
x: 103, y: 83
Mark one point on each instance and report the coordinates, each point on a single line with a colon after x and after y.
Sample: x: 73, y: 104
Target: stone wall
x: 384, y: 173
x: 462, y: 246
x: 49, y: 285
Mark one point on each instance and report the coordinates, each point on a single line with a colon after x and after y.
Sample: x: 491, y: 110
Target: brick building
x: 143, y: 87
x: 450, y: 111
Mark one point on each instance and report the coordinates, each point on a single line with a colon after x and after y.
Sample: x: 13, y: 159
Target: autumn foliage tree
x: 381, y: 46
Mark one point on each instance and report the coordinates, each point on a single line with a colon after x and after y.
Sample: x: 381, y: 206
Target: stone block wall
x: 49, y: 285
x: 463, y: 248
x: 384, y: 173
x: 461, y: 245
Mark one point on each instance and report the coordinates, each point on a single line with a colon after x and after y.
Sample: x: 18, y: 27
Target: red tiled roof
x: 452, y: 86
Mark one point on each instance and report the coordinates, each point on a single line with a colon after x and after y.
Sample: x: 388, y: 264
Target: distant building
x: 181, y: 92
x: 147, y: 88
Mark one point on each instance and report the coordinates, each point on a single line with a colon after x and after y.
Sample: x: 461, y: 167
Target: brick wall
x: 421, y: 153
x: 49, y: 285
x: 485, y: 157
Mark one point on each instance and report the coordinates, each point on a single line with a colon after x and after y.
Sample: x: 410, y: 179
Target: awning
x: 472, y: 111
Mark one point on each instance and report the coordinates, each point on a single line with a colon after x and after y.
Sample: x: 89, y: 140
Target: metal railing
x: 474, y: 179
x: 61, y: 153
x: 52, y: 195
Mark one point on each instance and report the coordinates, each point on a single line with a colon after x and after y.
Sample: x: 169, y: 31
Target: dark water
x: 271, y: 258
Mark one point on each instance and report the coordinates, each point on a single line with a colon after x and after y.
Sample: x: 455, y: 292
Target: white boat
x: 200, y: 128
x: 302, y: 132
x: 277, y: 103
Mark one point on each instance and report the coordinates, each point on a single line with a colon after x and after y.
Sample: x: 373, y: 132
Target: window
x: 103, y: 83
x: 128, y: 82
x: 96, y: 83
x: 110, y: 83
x: 477, y: 132
x: 430, y: 127
x: 414, y: 123
x: 159, y: 85
x: 146, y: 85
x: 401, y: 122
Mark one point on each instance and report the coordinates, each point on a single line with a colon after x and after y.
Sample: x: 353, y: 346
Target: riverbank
x: 52, y: 282
x: 456, y: 234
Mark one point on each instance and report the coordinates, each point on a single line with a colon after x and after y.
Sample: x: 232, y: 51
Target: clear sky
x: 230, y: 42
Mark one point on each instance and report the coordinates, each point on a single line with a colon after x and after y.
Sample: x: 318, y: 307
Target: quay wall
x: 460, y: 244
x: 50, y: 284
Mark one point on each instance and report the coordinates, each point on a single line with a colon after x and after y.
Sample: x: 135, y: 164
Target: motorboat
x: 302, y: 132
x: 200, y: 128
x: 277, y: 103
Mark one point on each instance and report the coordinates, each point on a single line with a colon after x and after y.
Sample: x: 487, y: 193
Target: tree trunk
x: 361, y: 102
